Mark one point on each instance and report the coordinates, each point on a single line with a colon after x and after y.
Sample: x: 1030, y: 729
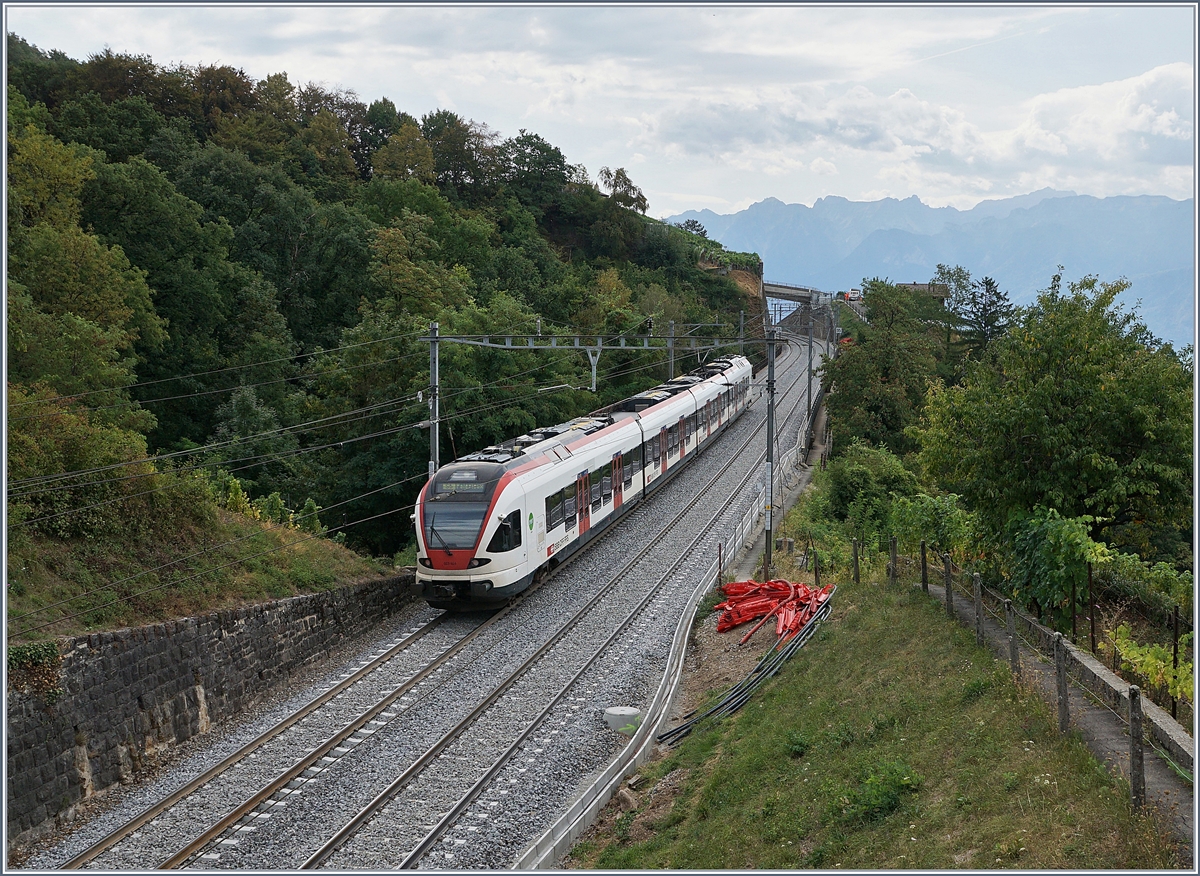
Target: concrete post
x: 854, y: 550
x: 1060, y: 675
x: 1137, y: 772
x: 892, y: 572
x: 924, y: 569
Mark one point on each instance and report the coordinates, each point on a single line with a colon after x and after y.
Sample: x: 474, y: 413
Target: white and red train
x: 490, y: 522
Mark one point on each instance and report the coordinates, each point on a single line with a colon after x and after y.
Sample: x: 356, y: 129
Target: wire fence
x: 1086, y: 665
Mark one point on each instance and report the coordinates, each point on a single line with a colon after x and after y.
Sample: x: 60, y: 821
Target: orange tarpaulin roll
x: 793, y: 605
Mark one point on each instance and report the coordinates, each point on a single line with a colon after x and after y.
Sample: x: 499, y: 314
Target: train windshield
x: 456, y: 504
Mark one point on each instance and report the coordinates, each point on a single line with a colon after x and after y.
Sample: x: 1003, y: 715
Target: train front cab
x: 474, y: 537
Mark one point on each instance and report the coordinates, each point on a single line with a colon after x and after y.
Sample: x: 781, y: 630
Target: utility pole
x: 433, y: 399
x: 808, y: 397
x: 671, y: 349
x: 770, y: 448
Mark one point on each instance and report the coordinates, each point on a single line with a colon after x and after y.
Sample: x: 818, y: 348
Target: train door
x: 663, y: 442
x: 583, y: 502
x: 683, y: 436
x: 618, y: 481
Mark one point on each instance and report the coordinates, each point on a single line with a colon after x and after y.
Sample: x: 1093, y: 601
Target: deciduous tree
x: 1078, y: 409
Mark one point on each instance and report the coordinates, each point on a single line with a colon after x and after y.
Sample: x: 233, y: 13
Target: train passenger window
x: 595, y: 479
x: 637, y: 456
x: 656, y: 447
x: 508, y: 534
x: 554, y: 510
x: 606, y: 485
x: 627, y: 464
x: 569, y: 504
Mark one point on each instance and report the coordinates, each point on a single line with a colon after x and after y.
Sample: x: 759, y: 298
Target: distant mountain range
x: 835, y: 244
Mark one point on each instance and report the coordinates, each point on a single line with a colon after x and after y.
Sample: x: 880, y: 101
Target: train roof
x: 535, y: 441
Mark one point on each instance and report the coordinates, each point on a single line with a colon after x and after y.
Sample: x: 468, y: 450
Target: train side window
x: 569, y: 504
x: 554, y: 510
x: 627, y: 464
x: 508, y: 534
x: 596, y: 478
x: 606, y: 484
x: 656, y: 448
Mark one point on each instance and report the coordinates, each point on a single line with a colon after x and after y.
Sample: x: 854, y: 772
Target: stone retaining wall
x: 130, y: 694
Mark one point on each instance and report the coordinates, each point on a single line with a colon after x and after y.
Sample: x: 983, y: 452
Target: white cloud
x: 740, y: 101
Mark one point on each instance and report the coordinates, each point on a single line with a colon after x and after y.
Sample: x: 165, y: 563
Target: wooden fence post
x: 1074, y: 612
x: 1060, y: 673
x: 978, y: 608
x: 1092, y: 608
x: 949, y: 586
x: 1137, y: 772
x: 1174, y: 656
x: 855, y: 550
x: 924, y: 569
x: 816, y: 569
x: 892, y: 553
x: 1014, y: 657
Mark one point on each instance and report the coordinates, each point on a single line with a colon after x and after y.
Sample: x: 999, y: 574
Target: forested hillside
x: 218, y: 288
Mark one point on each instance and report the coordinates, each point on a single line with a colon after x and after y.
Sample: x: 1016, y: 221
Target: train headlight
x: 477, y: 562
x: 424, y: 561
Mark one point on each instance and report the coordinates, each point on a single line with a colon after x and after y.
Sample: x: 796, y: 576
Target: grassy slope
x: 890, y: 741
x: 88, y: 573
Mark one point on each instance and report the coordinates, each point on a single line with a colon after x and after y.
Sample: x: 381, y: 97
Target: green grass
x: 88, y: 584
x: 890, y: 741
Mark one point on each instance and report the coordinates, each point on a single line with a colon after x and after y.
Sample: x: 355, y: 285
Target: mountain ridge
x: 837, y: 243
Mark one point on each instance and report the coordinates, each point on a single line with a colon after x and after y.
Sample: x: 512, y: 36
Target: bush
x: 881, y: 791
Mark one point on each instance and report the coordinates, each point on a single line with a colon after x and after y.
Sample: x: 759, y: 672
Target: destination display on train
x: 459, y: 487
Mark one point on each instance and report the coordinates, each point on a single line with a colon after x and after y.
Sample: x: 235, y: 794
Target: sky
x: 721, y: 106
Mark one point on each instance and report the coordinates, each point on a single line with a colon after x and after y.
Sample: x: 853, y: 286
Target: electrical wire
x: 322, y: 422
x: 208, y: 392
x: 231, y: 368
x: 250, y: 460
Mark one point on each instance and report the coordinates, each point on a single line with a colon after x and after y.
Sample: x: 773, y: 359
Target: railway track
x: 429, y: 676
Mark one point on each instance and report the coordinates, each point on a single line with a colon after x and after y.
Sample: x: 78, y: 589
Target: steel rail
x: 304, y: 711
x: 248, y: 805
x: 383, y: 798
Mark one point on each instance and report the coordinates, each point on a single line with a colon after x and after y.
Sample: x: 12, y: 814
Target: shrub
x: 881, y: 791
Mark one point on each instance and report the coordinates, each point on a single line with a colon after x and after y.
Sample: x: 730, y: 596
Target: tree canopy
x: 1078, y: 409
x: 236, y: 271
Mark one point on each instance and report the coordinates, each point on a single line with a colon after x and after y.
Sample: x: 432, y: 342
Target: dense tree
x: 381, y: 121
x: 977, y: 311
x: 1078, y: 410
x: 879, y: 379
x: 37, y: 75
x: 535, y: 172
x: 76, y: 307
x: 622, y: 190
x: 405, y: 155
x: 121, y: 129
x: 693, y: 226
x: 206, y: 236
